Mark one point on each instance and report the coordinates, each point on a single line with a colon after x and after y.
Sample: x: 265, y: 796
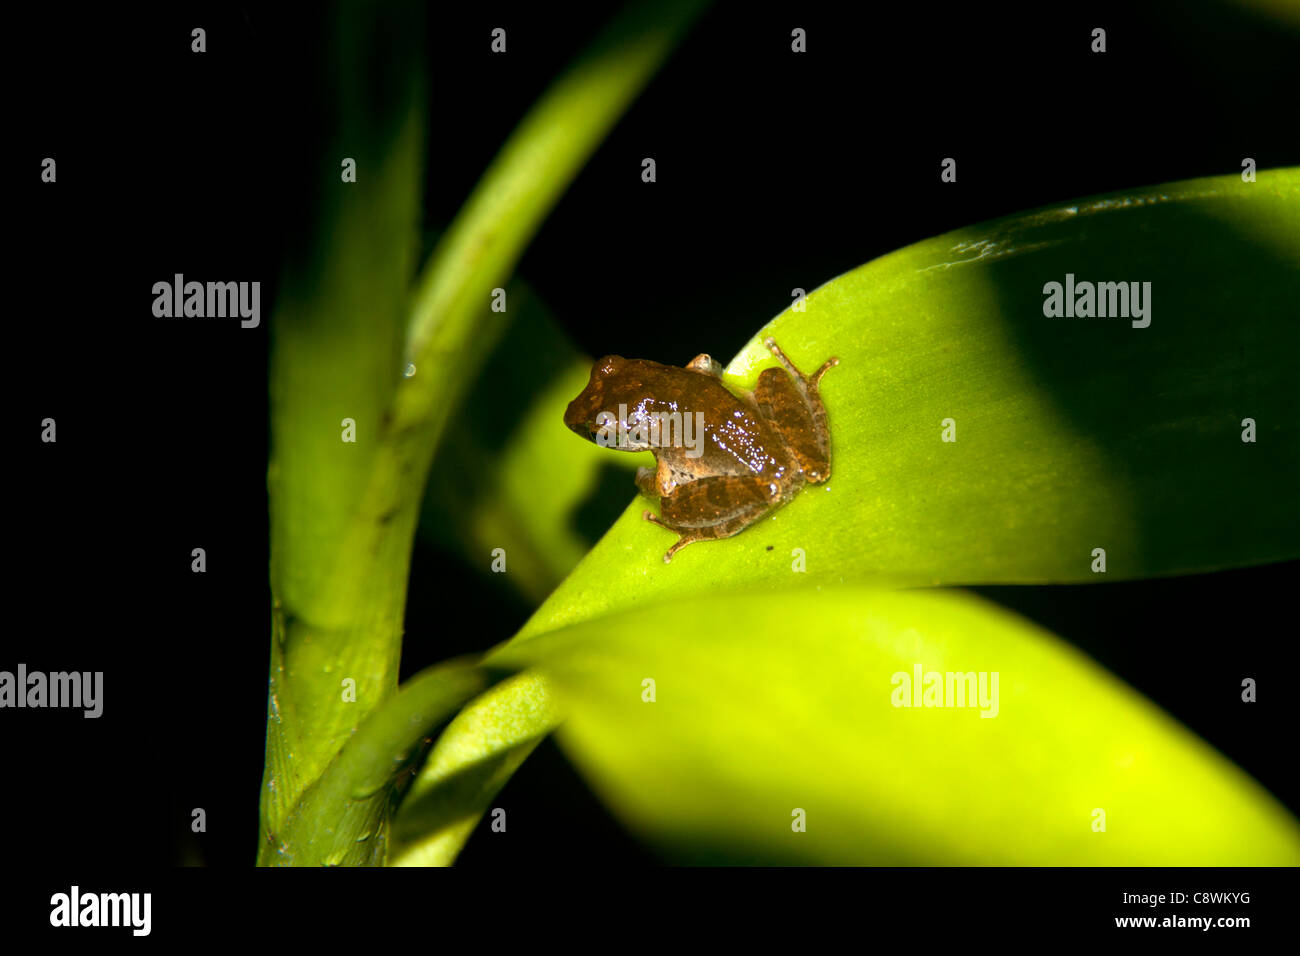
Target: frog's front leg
x: 793, y: 405
x: 657, y: 482
x: 716, y: 507
x: 645, y: 482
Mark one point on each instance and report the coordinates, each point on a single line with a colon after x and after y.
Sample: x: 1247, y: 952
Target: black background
x: 774, y: 171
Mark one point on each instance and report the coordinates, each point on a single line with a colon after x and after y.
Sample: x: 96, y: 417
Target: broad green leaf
x: 773, y: 703
x: 1072, y: 434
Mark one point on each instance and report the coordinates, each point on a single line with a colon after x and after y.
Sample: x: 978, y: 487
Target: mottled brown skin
x: 759, y: 448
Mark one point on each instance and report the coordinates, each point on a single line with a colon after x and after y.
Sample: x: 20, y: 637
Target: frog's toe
x: 829, y: 364
x: 682, y: 542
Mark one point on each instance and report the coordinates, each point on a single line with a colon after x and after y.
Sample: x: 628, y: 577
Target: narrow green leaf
x: 501, y: 481
x: 1072, y: 434
x: 338, y: 557
x: 470, y: 763
x: 343, y: 514
x: 342, y: 819
x: 534, y: 167
x: 766, y: 704
x: 450, y: 313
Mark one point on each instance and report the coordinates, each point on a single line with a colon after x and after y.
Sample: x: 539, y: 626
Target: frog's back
x: 737, y: 440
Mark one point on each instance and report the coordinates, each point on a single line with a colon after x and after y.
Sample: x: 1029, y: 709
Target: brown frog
x: 724, y: 459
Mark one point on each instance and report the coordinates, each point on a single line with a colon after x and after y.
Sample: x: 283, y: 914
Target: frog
x: 756, y: 449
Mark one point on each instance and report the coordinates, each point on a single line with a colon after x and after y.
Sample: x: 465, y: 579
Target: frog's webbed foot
x: 706, y: 364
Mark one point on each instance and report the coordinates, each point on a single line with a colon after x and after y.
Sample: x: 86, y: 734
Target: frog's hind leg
x: 711, y: 508
x: 682, y: 542
x: 705, y: 363
x: 808, y: 380
x: 793, y: 405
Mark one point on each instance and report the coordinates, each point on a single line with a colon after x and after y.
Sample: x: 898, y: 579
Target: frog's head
x: 614, y: 400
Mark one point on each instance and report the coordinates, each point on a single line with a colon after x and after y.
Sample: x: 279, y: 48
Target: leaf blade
x: 1046, y: 468
x: 767, y: 703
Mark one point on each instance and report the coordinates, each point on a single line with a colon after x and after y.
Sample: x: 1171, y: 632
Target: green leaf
x: 501, y: 481
x: 470, y: 763
x: 1072, y: 434
x: 534, y: 167
x: 768, y: 703
x: 338, y: 552
x: 343, y: 514
x: 342, y: 819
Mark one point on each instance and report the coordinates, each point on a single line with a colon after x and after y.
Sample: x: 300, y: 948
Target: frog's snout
x: 576, y: 416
